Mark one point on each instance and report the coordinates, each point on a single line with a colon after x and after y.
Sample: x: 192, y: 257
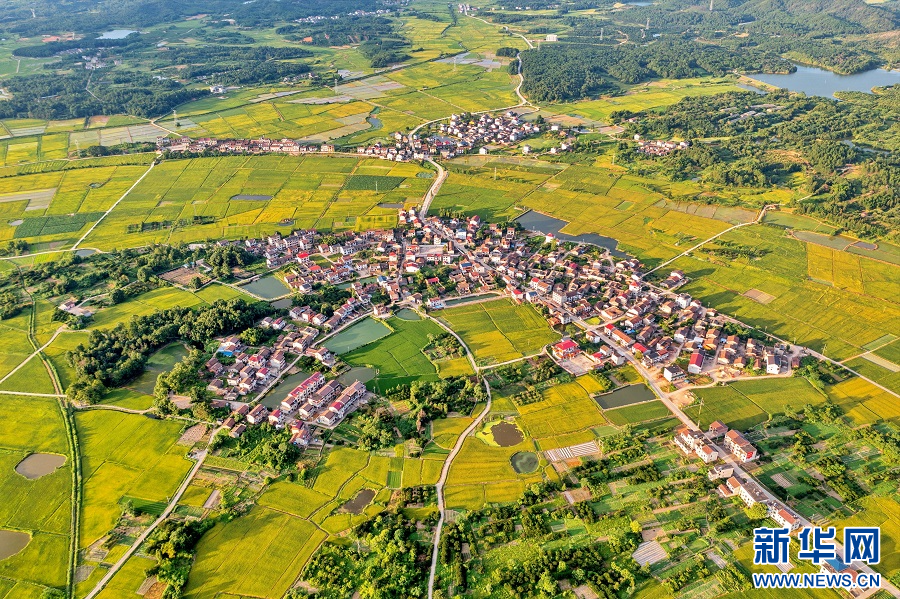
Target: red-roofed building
x: 695, y: 366
x: 565, y: 349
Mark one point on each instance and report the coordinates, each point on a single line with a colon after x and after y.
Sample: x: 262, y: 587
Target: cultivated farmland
x: 398, y: 357
x: 40, y: 507
x: 236, y: 196
x: 802, y: 278
x: 125, y: 455
x: 497, y: 331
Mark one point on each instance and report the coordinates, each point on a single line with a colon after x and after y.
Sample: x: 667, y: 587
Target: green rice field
x: 497, y: 331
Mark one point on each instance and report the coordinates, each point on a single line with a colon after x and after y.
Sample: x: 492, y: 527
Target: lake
x: 625, y: 396
x: 116, y: 34
x: 12, y: 542
x: 542, y: 223
x: 269, y: 287
x: 819, y: 82
x: 37, y: 465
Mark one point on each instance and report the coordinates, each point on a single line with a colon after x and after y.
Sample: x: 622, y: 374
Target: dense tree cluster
x: 395, y: 565
x: 427, y: 400
x: 172, y: 544
x: 115, y: 356
x: 263, y: 445
x: 766, y: 139
x: 344, y: 31
x: 66, y: 96
x: 570, y: 72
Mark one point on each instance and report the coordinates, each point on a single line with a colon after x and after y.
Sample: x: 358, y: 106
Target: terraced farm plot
x: 39, y: 507
x: 192, y: 200
x: 228, y: 556
x: 656, y: 94
x: 565, y: 409
x: 482, y: 473
x: 497, y: 331
x: 651, y: 410
x: 598, y: 199
x: 863, y: 402
x: 64, y: 203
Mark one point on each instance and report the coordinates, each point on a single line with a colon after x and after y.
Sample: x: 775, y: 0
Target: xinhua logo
x: 818, y: 546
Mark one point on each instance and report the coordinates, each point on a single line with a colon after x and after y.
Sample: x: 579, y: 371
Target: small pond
x: 507, y: 434
x: 542, y: 223
x: 282, y: 304
x: 407, y: 314
x: 356, y: 335
x: 524, y: 462
x: 37, y: 465
x: 363, y: 374
x: 12, y: 542
x: 161, y: 361
x: 273, y: 398
x: 391, y: 205
x: 625, y: 396
x: 269, y: 287
x: 359, y: 503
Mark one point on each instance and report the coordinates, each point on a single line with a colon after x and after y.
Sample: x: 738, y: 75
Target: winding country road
x: 445, y: 470
x: 143, y: 537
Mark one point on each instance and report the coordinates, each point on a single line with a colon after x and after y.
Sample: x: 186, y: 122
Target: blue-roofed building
x: 837, y: 566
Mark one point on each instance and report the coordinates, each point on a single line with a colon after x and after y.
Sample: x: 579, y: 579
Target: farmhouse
x: 695, y: 366
x: 565, y: 349
x: 739, y: 446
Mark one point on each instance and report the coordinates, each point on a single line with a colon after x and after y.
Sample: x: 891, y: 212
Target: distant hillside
x: 855, y: 13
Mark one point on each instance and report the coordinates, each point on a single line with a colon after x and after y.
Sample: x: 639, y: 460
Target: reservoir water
x: 819, y: 82
x: 542, y: 223
x: 116, y: 34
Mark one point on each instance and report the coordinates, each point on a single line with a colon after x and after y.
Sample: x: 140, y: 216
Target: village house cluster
x: 236, y: 373
x: 569, y: 283
x: 462, y: 134
x: 659, y: 148
x: 740, y: 450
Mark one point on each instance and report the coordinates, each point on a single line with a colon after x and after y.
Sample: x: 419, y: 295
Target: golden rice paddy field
x: 233, y: 197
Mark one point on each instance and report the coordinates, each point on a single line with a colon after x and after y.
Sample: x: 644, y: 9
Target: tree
x: 196, y: 283
x: 117, y: 296
x: 85, y: 390
x: 757, y: 512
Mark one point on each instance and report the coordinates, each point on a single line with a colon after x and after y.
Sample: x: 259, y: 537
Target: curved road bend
x: 445, y: 471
